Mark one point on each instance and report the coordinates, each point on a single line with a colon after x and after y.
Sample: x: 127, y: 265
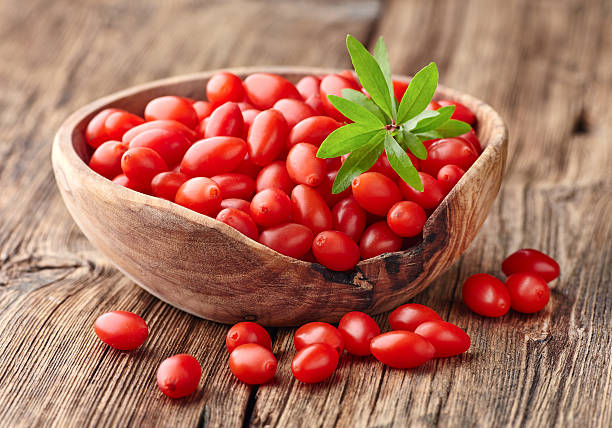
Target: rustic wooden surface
x: 545, y: 65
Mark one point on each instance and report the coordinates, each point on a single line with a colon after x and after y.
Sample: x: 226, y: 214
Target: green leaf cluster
x: 380, y: 124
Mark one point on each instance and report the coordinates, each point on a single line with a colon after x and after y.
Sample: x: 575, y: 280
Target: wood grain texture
x: 545, y: 66
x: 176, y: 253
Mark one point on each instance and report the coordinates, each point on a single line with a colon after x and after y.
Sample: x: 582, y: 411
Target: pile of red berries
x: 247, y: 157
x: 418, y: 335
x: 526, y: 288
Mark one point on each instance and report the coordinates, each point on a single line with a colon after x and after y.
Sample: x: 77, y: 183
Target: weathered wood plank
x: 551, y: 78
x: 60, y: 55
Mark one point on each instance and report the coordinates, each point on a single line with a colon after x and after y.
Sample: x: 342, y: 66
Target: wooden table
x: 545, y: 65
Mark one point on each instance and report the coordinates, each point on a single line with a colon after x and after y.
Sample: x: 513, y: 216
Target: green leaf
x: 453, y: 128
x: 355, y: 112
x: 345, y: 139
x: 430, y: 135
x: 358, y: 162
x: 361, y: 99
x: 425, y: 114
x: 402, y: 164
x: 382, y: 58
x: 431, y: 123
x: 411, y: 142
x: 419, y: 93
x: 370, y: 75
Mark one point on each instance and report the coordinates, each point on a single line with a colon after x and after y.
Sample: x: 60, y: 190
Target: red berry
x: 447, y: 338
x: 291, y: 239
x: 529, y: 260
x: 252, y: 364
x: 264, y: 90
x: 406, y: 218
x: 335, y: 250
x: 213, y: 156
x: 375, y: 192
x: 173, y: 108
x: 449, y: 176
x: 169, y: 144
x: 430, y: 197
x: 271, y: 207
x: 314, y: 363
x: 409, y: 316
x: 303, y: 165
x: 349, y: 217
x: 274, y: 175
x: 200, y: 194
x: 166, y: 184
x: 461, y: 112
x: 294, y: 111
x: 122, y: 330
x: 312, y: 130
x: 379, y: 239
x: 318, y: 332
x: 234, y: 185
x: 267, y: 136
x: 247, y: 332
x: 401, y: 349
x: 240, y: 221
x: 486, y: 295
x: 179, y: 375
x: 106, y: 160
x: 224, y: 87
x: 529, y: 293
x: 225, y: 121
x: 357, y: 330
x: 141, y: 164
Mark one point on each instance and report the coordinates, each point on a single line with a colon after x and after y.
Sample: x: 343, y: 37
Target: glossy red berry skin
x: 409, y: 316
x: 303, y: 165
x: 318, y: 332
x: 264, y: 90
x: 95, y: 133
x: 106, y: 160
x: 530, y: 260
x: 406, y: 219
x: 447, y: 338
x: 448, y: 151
x: 449, y: 176
x: 275, y: 175
x: 169, y: 125
x: 213, y: 156
x: 225, y: 121
x: 172, y: 108
x: 266, y: 137
x: 529, y: 293
x: 121, y: 330
x: 314, y: 363
x: 294, y: 111
x: 312, y: 130
x: 247, y: 332
x: 165, y: 184
x: 375, y: 192
x: 349, y: 217
x: 224, y: 87
x: 179, y: 376
x: 310, y: 209
x: 234, y: 185
x: 291, y: 239
x: 271, y: 207
x: 239, y: 204
x: 119, y: 122
x: 486, y: 295
x: 378, y: 239
x: 170, y: 145
x: 401, y: 349
x: 141, y: 164
x: 308, y: 86
x: 252, y: 364
x: 335, y: 250
x: 240, y: 221
x: 200, y: 194
x: 431, y: 196
x: 357, y: 330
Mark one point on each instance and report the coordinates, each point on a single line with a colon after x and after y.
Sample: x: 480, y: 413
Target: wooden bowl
x: 206, y: 268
